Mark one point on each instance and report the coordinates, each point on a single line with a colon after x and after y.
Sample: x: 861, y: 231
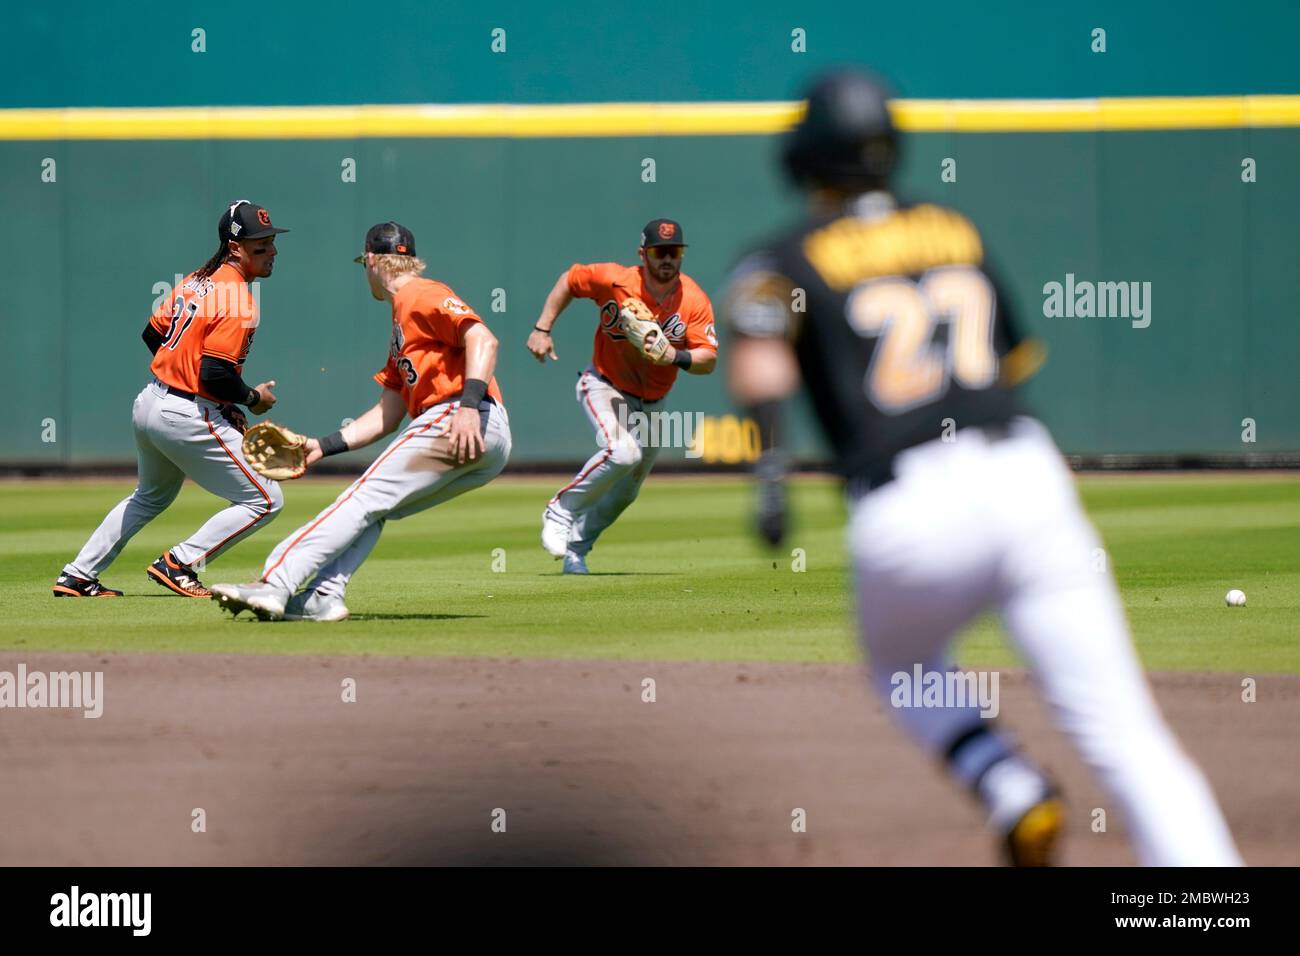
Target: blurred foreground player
x: 959, y: 501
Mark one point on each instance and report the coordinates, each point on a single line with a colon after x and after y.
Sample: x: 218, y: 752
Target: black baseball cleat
x: 177, y: 577
x: 70, y: 586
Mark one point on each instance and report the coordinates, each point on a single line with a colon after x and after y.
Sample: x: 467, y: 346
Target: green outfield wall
x: 92, y: 226
x: 80, y: 259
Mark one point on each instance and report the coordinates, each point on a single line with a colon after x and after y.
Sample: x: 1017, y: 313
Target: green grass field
x: 693, y: 587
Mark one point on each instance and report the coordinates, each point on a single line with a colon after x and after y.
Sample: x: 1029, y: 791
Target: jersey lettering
x: 896, y: 323
x: 408, y: 371
x: 181, y: 308
x: 907, y: 368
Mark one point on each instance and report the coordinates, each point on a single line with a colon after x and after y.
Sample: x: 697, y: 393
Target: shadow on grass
x: 412, y: 617
x: 609, y: 574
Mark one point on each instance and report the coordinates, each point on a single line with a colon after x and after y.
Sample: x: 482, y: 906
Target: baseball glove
x: 637, y: 322
x: 274, y: 451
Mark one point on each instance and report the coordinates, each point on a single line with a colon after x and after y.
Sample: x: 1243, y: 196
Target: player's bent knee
x: 625, y: 453
x: 273, y: 503
x: 156, y: 501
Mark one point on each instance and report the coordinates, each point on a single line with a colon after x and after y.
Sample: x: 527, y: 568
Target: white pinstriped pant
x: 175, y: 438
x: 612, y: 478
x: 415, y: 472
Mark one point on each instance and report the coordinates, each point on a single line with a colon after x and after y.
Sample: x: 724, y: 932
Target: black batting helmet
x: 846, y: 140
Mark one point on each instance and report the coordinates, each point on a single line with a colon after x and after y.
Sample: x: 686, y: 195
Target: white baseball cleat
x: 555, y: 533
x: 314, y: 606
x: 575, y: 563
x: 265, y: 600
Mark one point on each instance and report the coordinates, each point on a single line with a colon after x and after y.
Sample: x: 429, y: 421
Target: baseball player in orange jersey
x: 622, y: 379
x: 439, y: 370
x: 187, y: 421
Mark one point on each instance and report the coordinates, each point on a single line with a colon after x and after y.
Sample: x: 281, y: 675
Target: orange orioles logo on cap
x: 401, y: 248
x: 666, y: 230
x: 263, y: 217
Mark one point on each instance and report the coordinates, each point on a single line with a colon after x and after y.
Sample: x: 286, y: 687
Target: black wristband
x: 253, y: 397
x: 538, y: 328
x: 683, y: 358
x: 474, y: 392
x: 332, y: 444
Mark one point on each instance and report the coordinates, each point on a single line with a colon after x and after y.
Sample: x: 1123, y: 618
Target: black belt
x: 180, y: 393
x: 860, y: 484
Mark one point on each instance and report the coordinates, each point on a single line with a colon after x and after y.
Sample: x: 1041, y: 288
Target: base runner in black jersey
x: 891, y: 317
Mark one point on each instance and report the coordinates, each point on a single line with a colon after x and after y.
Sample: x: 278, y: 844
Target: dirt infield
x: 586, y: 772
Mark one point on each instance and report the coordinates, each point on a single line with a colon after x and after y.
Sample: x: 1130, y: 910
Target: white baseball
x: 1235, y: 598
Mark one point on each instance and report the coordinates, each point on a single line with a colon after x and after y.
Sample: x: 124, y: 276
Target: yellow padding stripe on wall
x: 633, y: 119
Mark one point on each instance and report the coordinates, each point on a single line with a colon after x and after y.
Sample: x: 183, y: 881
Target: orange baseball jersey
x: 213, y: 316
x: 426, y: 361
x: 686, y: 316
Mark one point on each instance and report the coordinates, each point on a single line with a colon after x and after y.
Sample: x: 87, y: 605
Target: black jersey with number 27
x: 901, y: 334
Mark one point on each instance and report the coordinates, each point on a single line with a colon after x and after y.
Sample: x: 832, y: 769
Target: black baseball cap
x: 662, y: 232
x: 245, y: 220
x: 388, y: 239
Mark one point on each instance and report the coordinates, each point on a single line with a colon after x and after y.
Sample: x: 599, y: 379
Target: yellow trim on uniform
x: 633, y: 119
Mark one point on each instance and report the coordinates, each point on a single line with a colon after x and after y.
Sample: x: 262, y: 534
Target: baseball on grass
x: 1235, y: 598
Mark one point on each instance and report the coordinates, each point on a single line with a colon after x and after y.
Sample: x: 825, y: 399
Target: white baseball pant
x: 415, y: 472
x: 978, y: 523
x: 611, y: 478
x: 177, y: 437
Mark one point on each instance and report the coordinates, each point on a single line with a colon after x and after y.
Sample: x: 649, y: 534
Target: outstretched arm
x: 540, y: 342
x: 379, y: 420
